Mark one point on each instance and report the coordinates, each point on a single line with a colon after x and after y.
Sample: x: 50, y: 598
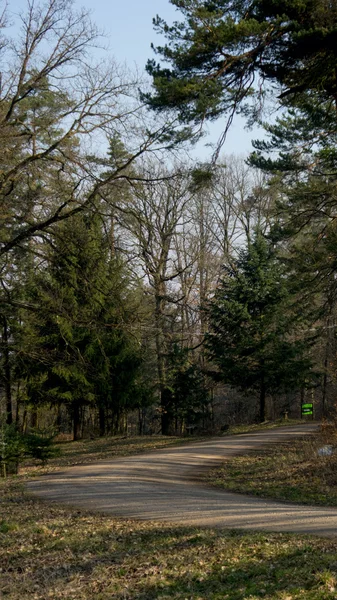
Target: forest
x: 143, y: 292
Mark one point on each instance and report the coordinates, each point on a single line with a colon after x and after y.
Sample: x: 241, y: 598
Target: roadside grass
x: 237, y: 429
x: 58, y: 553
x: 88, y: 451
x: 291, y: 471
x: 91, y: 450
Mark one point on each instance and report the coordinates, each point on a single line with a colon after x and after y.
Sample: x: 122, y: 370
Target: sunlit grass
x: 47, y: 551
x: 292, y: 471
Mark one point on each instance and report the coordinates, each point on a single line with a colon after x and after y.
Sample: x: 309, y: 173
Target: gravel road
x: 167, y: 486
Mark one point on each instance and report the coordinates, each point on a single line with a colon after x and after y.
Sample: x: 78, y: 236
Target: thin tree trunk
x: 102, y: 421
x: 7, y: 373
x: 34, y: 422
x: 76, y: 422
x: 166, y: 411
x: 262, y: 401
x: 325, y: 382
x: 140, y: 421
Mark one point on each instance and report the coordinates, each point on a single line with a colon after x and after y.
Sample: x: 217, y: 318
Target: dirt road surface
x: 167, y: 486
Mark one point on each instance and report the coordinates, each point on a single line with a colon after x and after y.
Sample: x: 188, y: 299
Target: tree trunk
x: 76, y: 422
x: 262, y: 401
x: 7, y: 373
x: 102, y: 421
x: 34, y: 421
x: 325, y: 383
x: 140, y: 421
x: 166, y: 411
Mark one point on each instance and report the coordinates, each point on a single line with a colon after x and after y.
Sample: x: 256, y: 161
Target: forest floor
x: 50, y: 551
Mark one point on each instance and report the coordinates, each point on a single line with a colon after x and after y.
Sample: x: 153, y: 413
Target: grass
x: 251, y: 428
x: 291, y: 471
x: 88, y: 451
x: 58, y: 553
x: 91, y: 450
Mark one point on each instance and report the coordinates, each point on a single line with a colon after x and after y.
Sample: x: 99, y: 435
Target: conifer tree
x: 254, y: 338
x: 222, y: 52
x: 82, y: 354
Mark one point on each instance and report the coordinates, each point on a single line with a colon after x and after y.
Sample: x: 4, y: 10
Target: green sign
x: 307, y: 409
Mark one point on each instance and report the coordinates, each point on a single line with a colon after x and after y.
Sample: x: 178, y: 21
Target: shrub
x: 15, y: 446
x: 40, y: 446
x: 12, y: 449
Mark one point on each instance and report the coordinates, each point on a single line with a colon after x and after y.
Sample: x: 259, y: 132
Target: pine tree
x: 82, y: 353
x: 254, y: 339
x: 222, y: 52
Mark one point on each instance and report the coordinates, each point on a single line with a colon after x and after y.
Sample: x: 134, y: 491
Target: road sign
x: 307, y: 409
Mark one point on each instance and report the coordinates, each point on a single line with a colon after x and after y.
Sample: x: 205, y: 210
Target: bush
x: 15, y: 446
x: 40, y: 446
x: 12, y: 449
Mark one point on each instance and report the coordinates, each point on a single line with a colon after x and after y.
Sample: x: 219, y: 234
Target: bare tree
x: 56, y: 108
x: 153, y: 219
x: 242, y: 201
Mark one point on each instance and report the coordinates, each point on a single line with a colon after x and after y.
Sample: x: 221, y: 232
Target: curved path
x: 166, y: 485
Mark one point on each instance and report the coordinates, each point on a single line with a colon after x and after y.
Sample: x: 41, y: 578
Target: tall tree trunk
x: 166, y: 411
x: 140, y: 421
x: 165, y: 393
x: 76, y: 421
x: 262, y: 400
x: 7, y: 373
x: 102, y: 421
x: 325, y: 380
x: 34, y: 422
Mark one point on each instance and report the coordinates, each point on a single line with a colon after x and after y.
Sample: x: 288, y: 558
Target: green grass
x: 58, y: 553
x: 291, y: 471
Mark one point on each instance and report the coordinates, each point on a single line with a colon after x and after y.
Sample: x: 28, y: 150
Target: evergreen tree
x: 299, y: 154
x: 222, y: 48
x: 254, y: 337
x: 82, y: 353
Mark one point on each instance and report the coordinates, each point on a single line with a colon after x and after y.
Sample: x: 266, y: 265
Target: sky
x: 129, y: 29
x: 128, y: 34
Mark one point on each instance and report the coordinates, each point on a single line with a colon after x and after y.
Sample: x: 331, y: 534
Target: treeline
x: 136, y: 283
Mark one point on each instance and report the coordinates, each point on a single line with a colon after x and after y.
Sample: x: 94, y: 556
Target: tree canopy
x: 222, y: 52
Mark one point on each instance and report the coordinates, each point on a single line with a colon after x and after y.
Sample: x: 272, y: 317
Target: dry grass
x: 290, y: 471
x: 87, y: 451
x: 58, y: 553
x: 237, y: 429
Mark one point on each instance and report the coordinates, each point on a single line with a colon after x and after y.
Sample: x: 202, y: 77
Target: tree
x: 221, y: 48
x: 299, y: 153
x: 81, y: 353
x: 153, y: 218
x: 254, y: 337
x: 53, y: 100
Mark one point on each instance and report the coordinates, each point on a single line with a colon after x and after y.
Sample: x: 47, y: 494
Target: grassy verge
x: 92, y: 450
x: 88, y: 451
x: 291, y: 471
x: 58, y: 553
x: 237, y: 429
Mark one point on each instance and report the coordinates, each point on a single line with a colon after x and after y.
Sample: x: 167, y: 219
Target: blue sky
x: 129, y: 29
x: 129, y: 33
